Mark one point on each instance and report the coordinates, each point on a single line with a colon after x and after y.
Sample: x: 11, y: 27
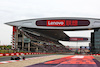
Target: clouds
x: 50, y: 8
x: 75, y: 44
x: 45, y: 8
x: 84, y: 33
x: 12, y: 10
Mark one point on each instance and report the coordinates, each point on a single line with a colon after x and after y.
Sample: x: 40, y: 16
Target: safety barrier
x: 94, y: 54
x: 1, y: 54
x: 12, y: 54
x: 30, y: 53
x: 89, y: 54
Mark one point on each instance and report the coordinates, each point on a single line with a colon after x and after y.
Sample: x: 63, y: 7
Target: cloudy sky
x: 12, y: 10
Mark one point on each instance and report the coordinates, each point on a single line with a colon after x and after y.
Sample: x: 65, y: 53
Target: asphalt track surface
x: 70, y: 61
x: 6, y: 58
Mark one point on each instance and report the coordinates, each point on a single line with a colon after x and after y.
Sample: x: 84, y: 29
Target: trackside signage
x: 73, y: 39
x: 55, y: 22
x: 62, y: 23
x: 78, y: 39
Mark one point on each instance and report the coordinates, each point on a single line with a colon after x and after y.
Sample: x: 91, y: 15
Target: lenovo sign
x: 55, y: 22
x: 76, y: 39
x: 62, y: 23
x: 73, y: 39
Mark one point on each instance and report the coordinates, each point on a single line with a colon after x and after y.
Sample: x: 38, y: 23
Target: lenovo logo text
x: 55, y: 22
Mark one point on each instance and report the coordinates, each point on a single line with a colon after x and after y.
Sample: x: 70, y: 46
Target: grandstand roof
x: 54, y: 34
x: 54, y: 27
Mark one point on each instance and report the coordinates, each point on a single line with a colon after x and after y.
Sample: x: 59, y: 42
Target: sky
x: 13, y: 10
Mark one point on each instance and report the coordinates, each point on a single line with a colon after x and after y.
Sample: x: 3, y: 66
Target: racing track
x: 5, y: 58
x: 26, y: 56
x: 70, y: 61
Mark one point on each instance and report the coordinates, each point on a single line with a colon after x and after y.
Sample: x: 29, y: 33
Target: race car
x: 17, y: 57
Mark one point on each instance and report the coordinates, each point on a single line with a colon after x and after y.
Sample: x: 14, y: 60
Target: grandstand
x: 37, y: 42
x: 43, y: 34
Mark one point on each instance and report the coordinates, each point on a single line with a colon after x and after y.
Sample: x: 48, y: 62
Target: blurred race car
x: 17, y: 57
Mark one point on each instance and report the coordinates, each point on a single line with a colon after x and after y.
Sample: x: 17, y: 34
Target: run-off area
x: 70, y: 61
